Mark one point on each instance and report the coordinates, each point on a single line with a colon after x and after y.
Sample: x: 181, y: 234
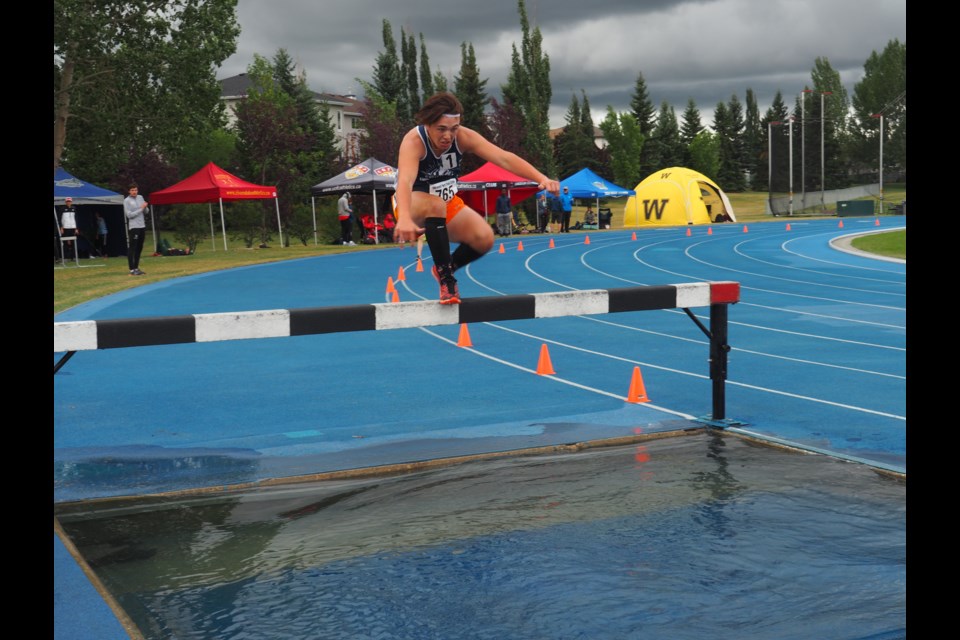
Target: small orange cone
x: 501, y: 248
x: 464, y: 339
x: 520, y: 246
x: 688, y: 232
x: 634, y: 236
x: 709, y: 231
x: 396, y: 296
x: 745, y: 228
x: 788, y: 226
x: 419, y: 264
x: 401, y: 276
x: 551, y: 243
x: 876, y: 222
x: 390, y: 287
x: 544, y: 366
x: 840, y: 225
x: 637, y: 391
x: 586, y: 240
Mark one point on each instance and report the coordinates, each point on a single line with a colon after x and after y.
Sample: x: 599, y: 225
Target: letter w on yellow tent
x: 676, y: 196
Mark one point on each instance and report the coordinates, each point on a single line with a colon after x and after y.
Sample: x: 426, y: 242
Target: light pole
x: 770, y: 161
x: 790, y: 135
x: 823, y: 118
x: 803, y: 146
x: 880, y: 115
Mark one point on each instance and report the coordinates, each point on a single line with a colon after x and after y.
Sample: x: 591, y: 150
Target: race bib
x: 445, y: 190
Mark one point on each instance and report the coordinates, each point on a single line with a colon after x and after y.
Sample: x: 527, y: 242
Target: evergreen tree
x: 573, y: 145
x: 754, y: 140
x: 591, y: 156
x: 689, y: 128
x: 775, y: 122
x: 728, y: 125
x: 625, y: 144
x: 645, y: 113
x: 665, y: 148
x: 426, y: 79
x: 388, y: 81
x: 471, y: 90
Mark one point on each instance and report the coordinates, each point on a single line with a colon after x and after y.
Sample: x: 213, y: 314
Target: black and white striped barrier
x: 87, y: 335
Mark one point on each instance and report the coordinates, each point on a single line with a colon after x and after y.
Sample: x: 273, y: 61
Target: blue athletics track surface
x: 817, y: 361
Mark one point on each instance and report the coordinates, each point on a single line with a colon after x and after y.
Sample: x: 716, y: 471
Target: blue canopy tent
x: 587, y: 184
x: 83, y: 193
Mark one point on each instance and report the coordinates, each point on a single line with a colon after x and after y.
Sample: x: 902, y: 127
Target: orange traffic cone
x: 788, y: 226
x: 745, y: 228
x: 709, y: 231
x: 396, y: 296
x: 544, y: 366
x: 637, y: 391
x: 634, y: 236
x: 464, y: 339
x: 501, y: 248
x: 876, y: 222
x: 840, y: 225
x: 551, y: 243
x: 520, y: 246
x: 586, y: 240
x: 401, y: 276
x: 419, y: 264
x: 390, y: 287
x: 688, y: 232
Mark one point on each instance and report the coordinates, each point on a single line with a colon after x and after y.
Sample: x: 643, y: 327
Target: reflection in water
x: 689, y: 537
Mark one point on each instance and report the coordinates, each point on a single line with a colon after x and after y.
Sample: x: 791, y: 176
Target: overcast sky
x: 701, y: 49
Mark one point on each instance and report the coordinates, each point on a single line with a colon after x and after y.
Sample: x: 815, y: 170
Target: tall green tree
x: 827, y: 111
x: 774, y: 170
x: 690, y: 126
x: 625, y: 145
x: 754, y: 139
x: 472, y: 93
x: 664, y: 148
x: 728, y: 125
x: 645, y: 113
x: 409, y: 71
x: 426, y: 78
x: 381, y: 129
x: 270, y: 141
x: 388, y: 80
x: 704, y: 152
x: 573, y: 146
x: 528, y: 88
x: 134, y: 76
x: 882, y: 90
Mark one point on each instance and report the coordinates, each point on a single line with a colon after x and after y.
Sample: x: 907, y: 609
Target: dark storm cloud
x: 705, y: 51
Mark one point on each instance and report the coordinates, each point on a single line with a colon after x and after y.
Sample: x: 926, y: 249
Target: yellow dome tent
x: 676, y: 196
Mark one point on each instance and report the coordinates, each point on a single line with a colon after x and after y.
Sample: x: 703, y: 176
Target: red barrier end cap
x: 724, y: 292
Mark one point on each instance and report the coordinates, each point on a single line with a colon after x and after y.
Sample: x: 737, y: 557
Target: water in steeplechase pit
x: 697, y: 536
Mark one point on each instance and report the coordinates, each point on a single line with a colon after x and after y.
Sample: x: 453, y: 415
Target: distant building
x: 345, y: 113
x: 598, y: 138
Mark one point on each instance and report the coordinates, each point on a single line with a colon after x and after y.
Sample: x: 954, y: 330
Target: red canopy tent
x: 212, y: 184
x: 474, y: 187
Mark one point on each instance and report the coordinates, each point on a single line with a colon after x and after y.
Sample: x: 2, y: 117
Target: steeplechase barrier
x: 88, y: 335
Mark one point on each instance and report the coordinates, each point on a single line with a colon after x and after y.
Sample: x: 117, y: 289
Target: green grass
x: 892, y: 244
x: 100, y: 277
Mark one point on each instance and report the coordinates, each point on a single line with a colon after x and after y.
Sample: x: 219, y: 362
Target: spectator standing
x: 133, y: 207
x: 566, y: 205
x: 68, y: 225
x: 504, y: 214
x: 543, y: 214
x: 101, y: 234
x: 345, y: 215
